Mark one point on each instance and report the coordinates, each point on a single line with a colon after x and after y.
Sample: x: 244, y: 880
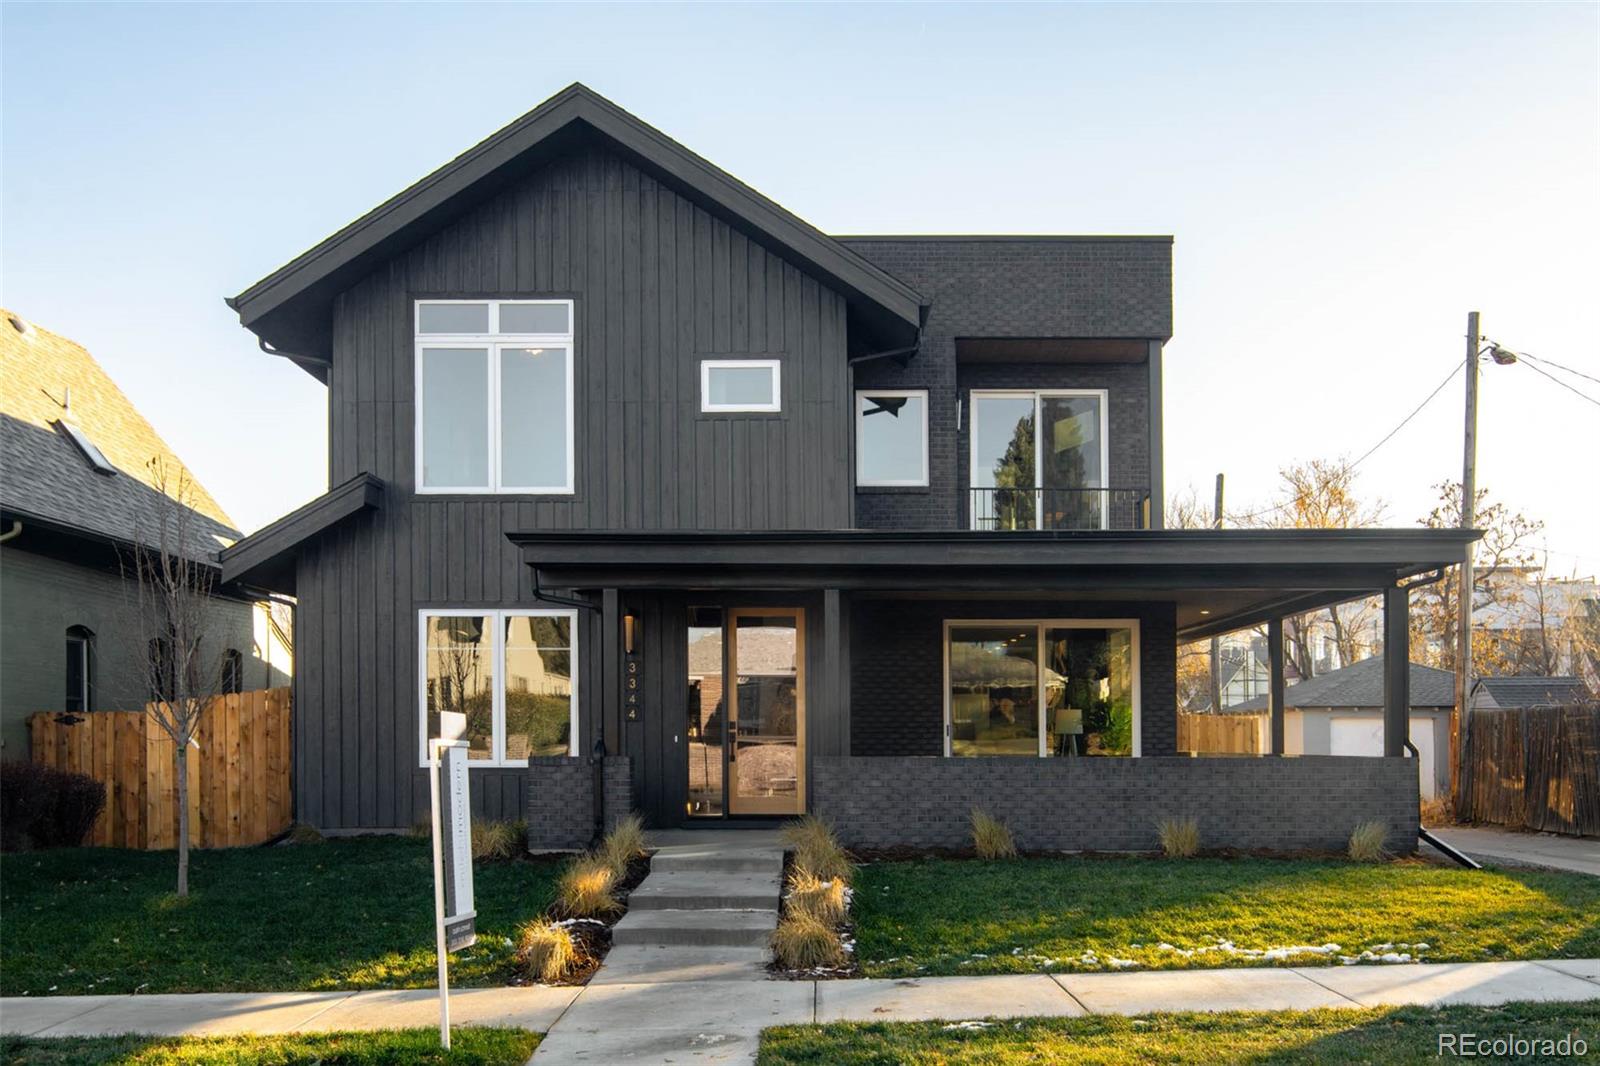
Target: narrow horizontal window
x: 892, y: 437
x: 511, y: 674
x: 494, y: 415
x: 740, y: 385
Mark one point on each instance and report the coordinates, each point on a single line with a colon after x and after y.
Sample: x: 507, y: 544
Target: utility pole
x: 1469, y: 499
x: 1216, y: 642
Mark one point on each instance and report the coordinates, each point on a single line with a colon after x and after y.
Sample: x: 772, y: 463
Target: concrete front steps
x: 705, y: 913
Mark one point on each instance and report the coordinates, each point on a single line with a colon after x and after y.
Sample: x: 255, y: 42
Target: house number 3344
x: 630, y: 690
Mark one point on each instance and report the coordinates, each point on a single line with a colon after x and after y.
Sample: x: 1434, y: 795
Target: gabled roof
x: 47, y: 380
x: 265, y: 559
x: 1515, y: 692
x: 1361, y: 685
x: 290, y: 308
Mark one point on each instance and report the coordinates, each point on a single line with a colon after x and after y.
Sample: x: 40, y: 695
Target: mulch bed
x: 905, y: 853
x: 592, y: 936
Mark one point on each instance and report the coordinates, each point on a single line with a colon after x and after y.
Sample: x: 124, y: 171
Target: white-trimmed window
x: 1041, y: 687
x: 514, y: 674
x: 494, y: 396
x: 740, y: 385
x: 892, y: 437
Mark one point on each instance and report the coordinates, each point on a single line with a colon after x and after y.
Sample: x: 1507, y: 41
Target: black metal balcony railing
x: 1042, y: 508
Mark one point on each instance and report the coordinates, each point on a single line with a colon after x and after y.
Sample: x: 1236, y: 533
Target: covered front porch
x: 893, y: 681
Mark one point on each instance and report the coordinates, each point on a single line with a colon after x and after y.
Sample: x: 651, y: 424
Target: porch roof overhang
x: 1221, y: 580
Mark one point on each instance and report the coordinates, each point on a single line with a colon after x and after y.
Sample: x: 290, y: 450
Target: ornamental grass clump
x: 623, y: 844
x: 990, y: 837
x: 1366, y: 842
x: 1180, y: 837
x: 545, y: 951
x: 801, y: 942
x: 817, y: 851
x: 495, y: 840
x: 587, y: 889
x: 816, y: 898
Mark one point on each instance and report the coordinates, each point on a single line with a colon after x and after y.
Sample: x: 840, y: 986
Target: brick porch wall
x: 1110, y: 804
x: 560, y: 813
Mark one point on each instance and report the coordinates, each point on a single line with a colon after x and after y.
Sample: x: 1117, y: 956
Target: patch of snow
x: 969, y: 1026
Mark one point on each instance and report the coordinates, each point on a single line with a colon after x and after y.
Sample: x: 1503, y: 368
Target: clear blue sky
x: 1344, y: 184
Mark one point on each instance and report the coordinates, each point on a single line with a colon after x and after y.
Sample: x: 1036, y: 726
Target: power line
x: 1570, y: 388
x: 1558, y: 366
x: 1368, y: 453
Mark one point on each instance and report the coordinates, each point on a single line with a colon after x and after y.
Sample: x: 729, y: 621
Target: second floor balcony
x: 1041, y: 507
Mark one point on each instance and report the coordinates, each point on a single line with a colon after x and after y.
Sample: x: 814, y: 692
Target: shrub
x: 587, y: 889
x: 495, y: 840
x: 819, y: 899
x: 1438, y: 811
x: 1366, y: 842
x: 545, y: 950
x: 42, y: 807
x: 816, y: 850
x: 623, y: 844
x: 1180, y: 837
x: 991, y: 837
x: 802, y: 943
x: 305, y: 834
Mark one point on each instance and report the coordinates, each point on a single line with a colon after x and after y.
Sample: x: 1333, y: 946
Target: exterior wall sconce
x: 630, y: 626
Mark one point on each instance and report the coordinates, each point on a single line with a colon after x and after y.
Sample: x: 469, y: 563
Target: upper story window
x: 892, y: 437
x: 1039, y: 459
x: 494, y: 396
x: 740, y: 385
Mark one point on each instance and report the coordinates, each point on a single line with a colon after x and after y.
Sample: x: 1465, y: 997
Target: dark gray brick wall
x: 897, y: 668
x: 560, y: 791
x: 1105, y: 287
x: 1106, y: 804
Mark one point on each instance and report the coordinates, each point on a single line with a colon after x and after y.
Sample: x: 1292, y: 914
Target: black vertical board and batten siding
x: 658, y: 284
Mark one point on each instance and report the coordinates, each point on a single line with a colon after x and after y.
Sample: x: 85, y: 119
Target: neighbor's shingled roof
x: 1361, y: 685
x: 46, y: 477
x: 1515, y: 692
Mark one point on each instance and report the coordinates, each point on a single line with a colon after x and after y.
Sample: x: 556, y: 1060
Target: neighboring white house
x: 1341, y: 713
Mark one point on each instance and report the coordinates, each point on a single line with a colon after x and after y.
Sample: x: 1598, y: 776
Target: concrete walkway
x: 719, y: 1020
x: 1576, y: 854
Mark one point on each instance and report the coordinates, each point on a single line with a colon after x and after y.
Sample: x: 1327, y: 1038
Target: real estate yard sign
x: 454, y: 916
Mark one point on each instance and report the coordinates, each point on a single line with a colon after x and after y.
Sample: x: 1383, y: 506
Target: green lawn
x: 1380, y: 1036
x: 469, y: 1047
x: 354, y: 913
x: 1064, y: 914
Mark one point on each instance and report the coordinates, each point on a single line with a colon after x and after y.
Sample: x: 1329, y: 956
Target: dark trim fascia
x: 1000, y: 238
x: 374, y: 233
x: 362, y: 492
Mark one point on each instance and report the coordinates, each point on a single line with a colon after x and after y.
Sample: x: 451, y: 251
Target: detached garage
x: 1341, y: 713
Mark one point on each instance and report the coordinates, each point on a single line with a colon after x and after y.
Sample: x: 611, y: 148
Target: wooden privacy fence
x: 1537, y: 769
x: 1221, y: 734
x: 239, y: 791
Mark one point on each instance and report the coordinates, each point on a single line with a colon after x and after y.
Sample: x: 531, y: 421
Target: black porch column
x: 835, y: 695
x: 1275, y: 682
x: 1396, y: 670
x: 611, y: 670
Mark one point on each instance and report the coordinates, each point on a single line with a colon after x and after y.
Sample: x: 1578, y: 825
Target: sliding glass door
x: 1039, y: 460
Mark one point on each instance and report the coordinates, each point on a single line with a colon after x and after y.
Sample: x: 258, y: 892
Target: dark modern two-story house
x: 695, y: 510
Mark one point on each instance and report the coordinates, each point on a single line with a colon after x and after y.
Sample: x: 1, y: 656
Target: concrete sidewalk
x: 1489, y: 845
x: 645, y: 1008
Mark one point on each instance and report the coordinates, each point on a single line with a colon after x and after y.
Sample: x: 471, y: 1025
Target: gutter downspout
x: 295, y: 357
x: 896, y: 353
x: 14, y: 531
x: 542, y: 596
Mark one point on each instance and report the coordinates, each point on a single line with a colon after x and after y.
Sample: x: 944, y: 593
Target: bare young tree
x: 1506, y: 545
x: 171, y: 577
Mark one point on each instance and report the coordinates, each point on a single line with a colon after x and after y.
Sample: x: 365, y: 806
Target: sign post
x: 454, y: 916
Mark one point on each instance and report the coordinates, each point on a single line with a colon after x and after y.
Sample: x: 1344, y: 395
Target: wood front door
x: 767, y: 712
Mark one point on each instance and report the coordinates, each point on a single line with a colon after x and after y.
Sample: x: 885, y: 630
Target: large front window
x: 511, y: 673
x: 1039, y: 460
x: 494, y: 396
x: 1061, y: 687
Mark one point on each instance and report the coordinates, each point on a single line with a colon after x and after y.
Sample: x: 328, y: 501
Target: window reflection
x: 994, y: 702
x: 459, y: 657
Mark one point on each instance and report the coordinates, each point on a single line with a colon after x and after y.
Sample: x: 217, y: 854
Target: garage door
x: 1364, y: 736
